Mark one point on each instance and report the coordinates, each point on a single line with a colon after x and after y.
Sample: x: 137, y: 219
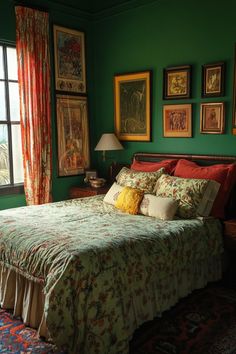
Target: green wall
x: 166, y: 33
x: 60, y: 15
x: 153, y: 36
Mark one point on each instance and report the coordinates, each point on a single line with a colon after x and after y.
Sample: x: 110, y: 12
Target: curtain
x: 32, y: 46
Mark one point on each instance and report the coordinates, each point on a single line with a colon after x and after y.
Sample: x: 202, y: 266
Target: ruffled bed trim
x: 21, y: 272
x: 25, y: 297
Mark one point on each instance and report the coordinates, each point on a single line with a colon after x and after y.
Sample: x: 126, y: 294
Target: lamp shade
x: 108, y: 142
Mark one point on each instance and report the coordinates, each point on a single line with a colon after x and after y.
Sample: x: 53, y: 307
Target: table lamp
x: 107, y: 142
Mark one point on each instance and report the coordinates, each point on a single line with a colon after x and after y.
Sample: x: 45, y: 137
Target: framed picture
x: 234, y: 95
x: 213, y: 79
x: 72, y: 135
x: 69, y: 55
x: 132, y: 106
x: 177, y: 82
x: 177, y: 120
x: 212, y: 118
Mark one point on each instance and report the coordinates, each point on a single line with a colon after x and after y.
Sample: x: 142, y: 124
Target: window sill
x: 16, y: 189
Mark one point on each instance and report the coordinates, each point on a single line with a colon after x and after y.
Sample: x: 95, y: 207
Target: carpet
x: 202, y: 323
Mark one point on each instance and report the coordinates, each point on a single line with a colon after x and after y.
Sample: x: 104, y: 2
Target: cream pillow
x: 195, y: 196
x: 113, y: 193
x: 157, y: 207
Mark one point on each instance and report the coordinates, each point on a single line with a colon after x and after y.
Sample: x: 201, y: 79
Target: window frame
x: 11, y: 188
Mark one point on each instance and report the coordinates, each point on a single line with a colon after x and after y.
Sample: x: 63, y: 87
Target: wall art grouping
x: 71, y: 102
x: 177, y: 85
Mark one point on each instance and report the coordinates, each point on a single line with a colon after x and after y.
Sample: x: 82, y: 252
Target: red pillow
x: 145, y: 166
x: 225, y: 174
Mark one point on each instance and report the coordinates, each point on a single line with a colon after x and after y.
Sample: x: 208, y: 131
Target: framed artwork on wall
x: 213, y: 79
x: 72, y: 135
x: 69, y: 55
x: 177, y: 82
x: 212, y: 118
x: 132, y: 106
x: 177, y: 120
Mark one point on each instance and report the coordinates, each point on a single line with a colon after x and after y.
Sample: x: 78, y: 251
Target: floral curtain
x: 32, y: 45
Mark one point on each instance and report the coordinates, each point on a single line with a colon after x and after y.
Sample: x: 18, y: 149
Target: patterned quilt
x: 100, y: 268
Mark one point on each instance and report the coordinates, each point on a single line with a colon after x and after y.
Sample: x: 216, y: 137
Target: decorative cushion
x: 112, y: 195
x: 145, y: 166
x: 195, y: 196
x: 160, y: 208
x: 225, y: 174
x: 144, y: 181
x: 129, y: 200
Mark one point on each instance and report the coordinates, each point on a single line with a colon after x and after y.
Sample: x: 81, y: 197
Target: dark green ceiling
x: 92, y: 6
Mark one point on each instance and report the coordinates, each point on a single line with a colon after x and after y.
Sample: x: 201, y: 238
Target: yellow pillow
x: 129, y: 200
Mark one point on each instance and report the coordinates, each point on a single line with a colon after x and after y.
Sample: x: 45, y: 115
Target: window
x: 11, y: 165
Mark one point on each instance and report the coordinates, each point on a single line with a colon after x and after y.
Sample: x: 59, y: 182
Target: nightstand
x: 87, y: 191
x: 230, y: 247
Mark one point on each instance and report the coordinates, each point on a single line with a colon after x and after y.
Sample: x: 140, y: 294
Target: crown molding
x: 96, y: 16
x: 118, y: 9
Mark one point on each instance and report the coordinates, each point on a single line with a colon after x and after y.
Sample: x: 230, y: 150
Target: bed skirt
x: 26, y: 297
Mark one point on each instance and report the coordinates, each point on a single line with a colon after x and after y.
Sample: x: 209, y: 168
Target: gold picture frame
x: 177, y: 121
x: 177, y: 82
x: 69, y: 56
x: 213, y: 79
x: 212, y: 118
x: 72, y: 135
x: 132, y: 106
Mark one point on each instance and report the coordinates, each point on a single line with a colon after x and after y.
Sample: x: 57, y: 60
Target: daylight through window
x: 11, y: 166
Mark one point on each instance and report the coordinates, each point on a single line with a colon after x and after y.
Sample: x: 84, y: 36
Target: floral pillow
x: 144, y: 181
x: 195, y: 196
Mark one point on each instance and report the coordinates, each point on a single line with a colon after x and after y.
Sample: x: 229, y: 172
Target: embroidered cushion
x: 144, y: 181
x: 158, y: 207
x: 195, y: 196
x: 112, y: 194
x: 129, y: 200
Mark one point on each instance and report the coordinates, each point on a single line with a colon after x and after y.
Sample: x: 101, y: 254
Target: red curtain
x: 32, y: 45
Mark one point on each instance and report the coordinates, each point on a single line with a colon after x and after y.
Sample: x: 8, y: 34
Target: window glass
x: 11, y: 165
x: 12, y: 64
x: 4, y: 156
x: 14, y: 101
x: 17, y: 154
x: 2, y: 101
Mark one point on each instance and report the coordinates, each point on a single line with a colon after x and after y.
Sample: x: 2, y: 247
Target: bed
x: 87, y: 275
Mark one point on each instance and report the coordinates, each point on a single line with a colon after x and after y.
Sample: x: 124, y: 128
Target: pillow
x: 112, y: 194
x: 129, y: 200
x: 225, y: 174
x: 195, y: 196
x: 160, y: 208
x: 144, y: 181
x: 145, y: 166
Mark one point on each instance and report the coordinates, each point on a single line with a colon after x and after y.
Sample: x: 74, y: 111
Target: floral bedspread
x: 100, y: 268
